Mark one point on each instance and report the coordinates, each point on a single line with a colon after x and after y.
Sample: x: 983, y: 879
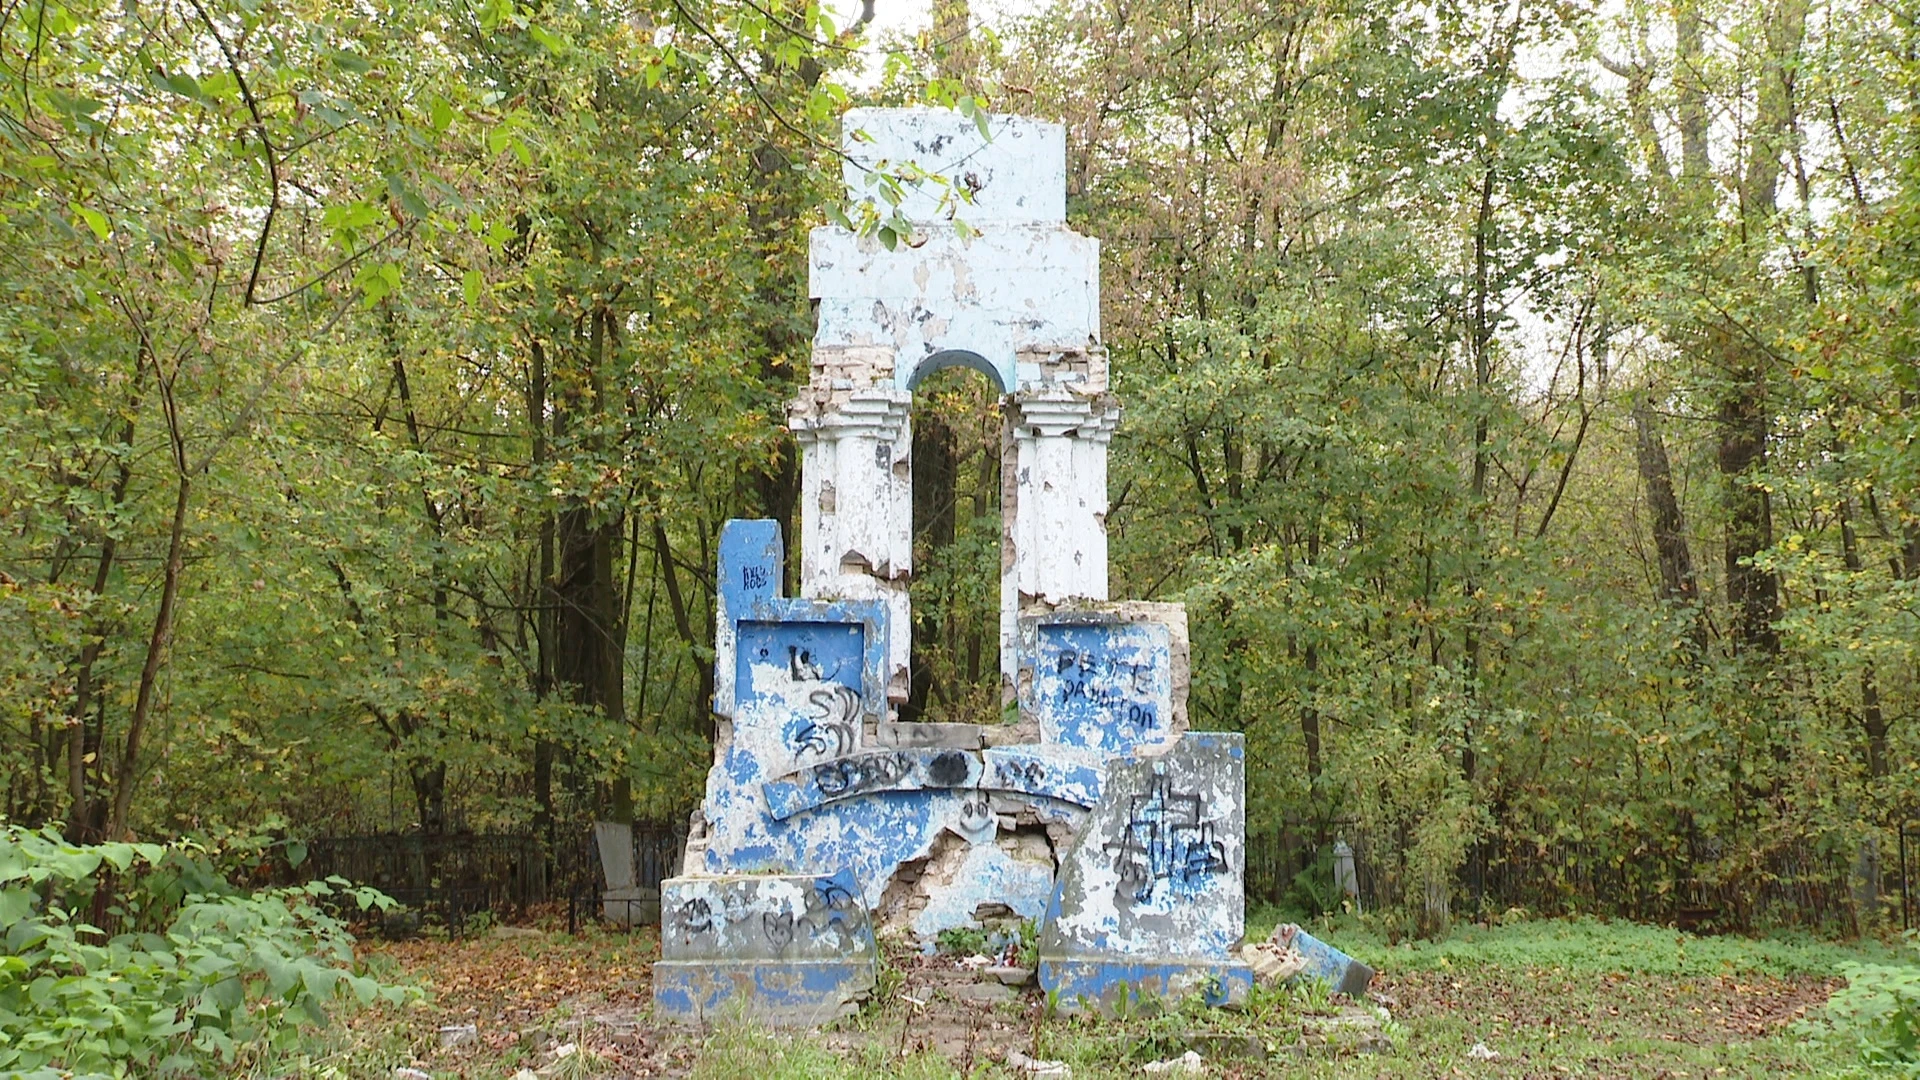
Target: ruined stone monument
x: 1091, y: 809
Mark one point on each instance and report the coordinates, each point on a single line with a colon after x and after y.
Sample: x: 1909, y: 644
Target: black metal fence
x: 453, y: 877
x: 1795, y: 884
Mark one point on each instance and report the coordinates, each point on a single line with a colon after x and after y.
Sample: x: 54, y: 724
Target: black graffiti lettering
x: 830, y: 895
x: 695, y: 916
x: 851, y: 776
x: 831, y: 778
x: 800, y: 665
x: 753, y: 577
x: 830, y: 732
x: 1018, y: 775
x: 828, y: 909
x: 1165, y: 839
x: 1140, y: 716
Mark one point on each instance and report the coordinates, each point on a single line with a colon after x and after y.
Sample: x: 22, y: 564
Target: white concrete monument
x: 1015, y: 294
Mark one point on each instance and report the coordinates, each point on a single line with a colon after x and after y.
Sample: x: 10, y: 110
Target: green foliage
x: 1313, y: 890
x: 201, y: 980
x: 1602, y: 947
x: 1877, y: 1014
x: 961, y: 941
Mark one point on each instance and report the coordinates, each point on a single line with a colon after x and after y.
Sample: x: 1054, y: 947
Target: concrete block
x: 1016, y: 170
x: 870, y: 774
x: 1112, y: 986
x: 614, y: 839
x: 1109, y: 678
x: 916, y: 735
x: 1342, y: 973
x: 1151, y: 897
x: 785, y: 950
x: 1018, y: 289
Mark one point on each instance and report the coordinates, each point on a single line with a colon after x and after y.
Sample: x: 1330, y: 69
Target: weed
x: 961, y: 941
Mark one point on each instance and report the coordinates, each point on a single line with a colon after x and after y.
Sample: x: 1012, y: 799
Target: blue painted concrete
x: 789, y: 992
x: 797, y: 790
x: 751, y: 558
x: 858, y: 775
x: 1102, y: 686
x: 1342, y: 973
x: 1110, y: 985
x: 1043, y: 772
x: 786, y: 949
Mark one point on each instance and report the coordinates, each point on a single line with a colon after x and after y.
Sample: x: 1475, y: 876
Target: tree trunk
x: 1677, y: 582
x: 1752, y: 591
x: 1309, y: 711
x: 157, y: 644
x: 589, y: 639
x: 429, y: 781
x: 542, y: 594
x: 1873, y: 719
x: 79, y: 815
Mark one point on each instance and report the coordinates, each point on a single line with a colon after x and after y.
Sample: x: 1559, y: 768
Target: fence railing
x: 456, y: 876
x: 1794, y: 884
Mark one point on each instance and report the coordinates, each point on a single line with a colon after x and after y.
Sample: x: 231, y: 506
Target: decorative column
x: 856, y: 505
x: 1053, y: 504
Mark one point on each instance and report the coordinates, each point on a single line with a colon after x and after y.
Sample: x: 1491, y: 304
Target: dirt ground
x: 528, y: 993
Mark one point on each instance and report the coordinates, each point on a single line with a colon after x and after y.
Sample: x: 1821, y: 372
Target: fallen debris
x: 1342, y: 972
x: 458, y: 1035
x: 1354, y: 1029
x: 1483, y: 1052
x: 1039, y: 1070
x: 1273, y: 964
x: 1187, y: 1064
x: 1010, y: 974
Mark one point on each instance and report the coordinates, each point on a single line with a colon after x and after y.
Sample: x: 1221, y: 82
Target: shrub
x: 1879, y: 1013
x: 196, y: 980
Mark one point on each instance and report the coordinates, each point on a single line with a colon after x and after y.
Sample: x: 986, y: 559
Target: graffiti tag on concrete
x: 1166, y: 838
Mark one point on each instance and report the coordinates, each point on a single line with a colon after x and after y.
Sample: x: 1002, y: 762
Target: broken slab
x: 1150, y: 900
x: 788, y: 950
x: 1342, y: 973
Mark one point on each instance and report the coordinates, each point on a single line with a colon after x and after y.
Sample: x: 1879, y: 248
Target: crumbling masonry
x: 1096, y: 813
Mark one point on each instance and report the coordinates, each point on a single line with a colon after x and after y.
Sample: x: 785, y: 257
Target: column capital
x: 874, y: 412
x: 1055, y: 413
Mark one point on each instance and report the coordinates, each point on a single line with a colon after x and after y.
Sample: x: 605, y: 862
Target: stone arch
x: 947, y: 358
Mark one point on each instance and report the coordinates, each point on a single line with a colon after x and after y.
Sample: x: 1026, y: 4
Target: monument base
x: 781, y: 993
x: 781, y: 949
x: 1111, y: 985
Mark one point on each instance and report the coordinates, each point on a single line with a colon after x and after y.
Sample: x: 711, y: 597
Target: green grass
x: 1586, y: 945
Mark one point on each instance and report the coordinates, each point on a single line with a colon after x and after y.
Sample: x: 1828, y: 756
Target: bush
x: 1879, y: 1013
x: 198, y: 979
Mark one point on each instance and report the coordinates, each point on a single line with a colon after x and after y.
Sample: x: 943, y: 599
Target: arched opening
x: 953, y: 358
x: 955, y: 592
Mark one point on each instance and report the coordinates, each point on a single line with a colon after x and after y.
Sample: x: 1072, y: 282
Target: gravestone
x: 623, y: 900
x: 929, y: 827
